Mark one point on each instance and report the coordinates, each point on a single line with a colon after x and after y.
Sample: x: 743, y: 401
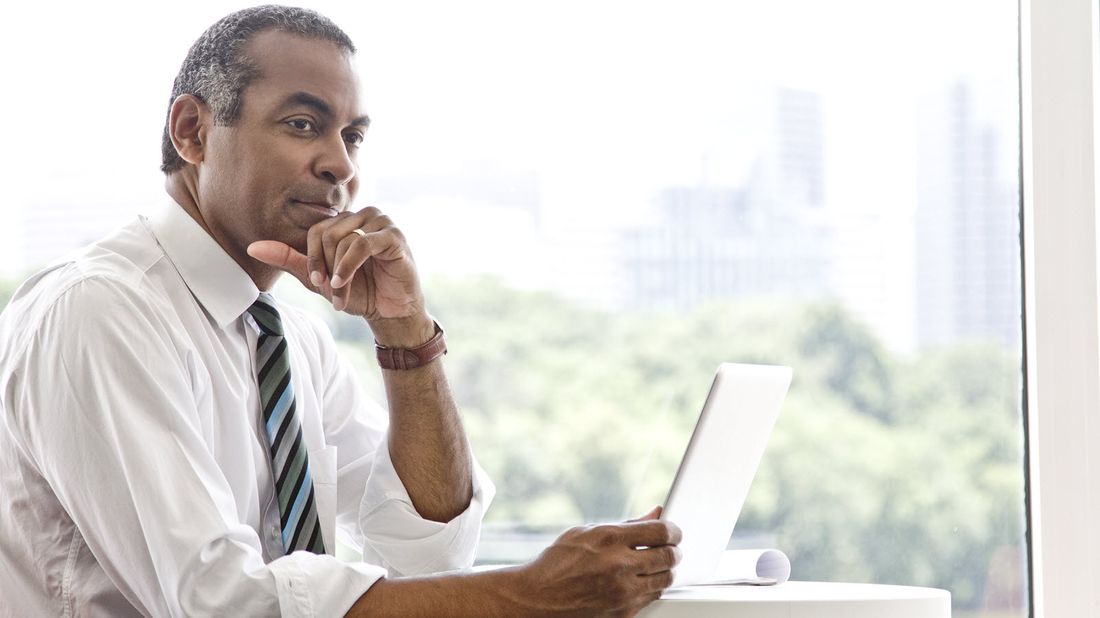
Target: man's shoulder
x: 85, y: 284
x: 122, y: 257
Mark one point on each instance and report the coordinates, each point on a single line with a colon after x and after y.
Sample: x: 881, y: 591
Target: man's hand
x: 361, y: 263
x: 606, y: 570
x: 615, y: 569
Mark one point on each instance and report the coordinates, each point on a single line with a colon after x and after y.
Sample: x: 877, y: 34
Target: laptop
x: 720, y: 462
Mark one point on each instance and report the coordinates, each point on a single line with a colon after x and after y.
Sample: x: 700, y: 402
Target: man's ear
x: 187, y: 126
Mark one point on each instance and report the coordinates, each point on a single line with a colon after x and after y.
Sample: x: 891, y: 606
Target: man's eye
x: 353, y: 138
x: 301, y: 124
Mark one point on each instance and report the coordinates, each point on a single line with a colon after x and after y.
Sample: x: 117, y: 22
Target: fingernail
x: 338, y: 303
x: 337, y: 281
x: 315, y: 278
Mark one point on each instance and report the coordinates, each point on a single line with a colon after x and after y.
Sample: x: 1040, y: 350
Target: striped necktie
x: 290, y: 463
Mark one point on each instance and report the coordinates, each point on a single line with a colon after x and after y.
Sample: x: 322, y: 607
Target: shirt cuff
x: 406, y: 543
x: 310, y: 585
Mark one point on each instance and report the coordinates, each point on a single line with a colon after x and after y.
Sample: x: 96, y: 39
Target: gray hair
x: 217, y: 71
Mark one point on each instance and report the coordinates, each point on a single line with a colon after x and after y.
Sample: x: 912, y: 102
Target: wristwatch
x: 411, y: 358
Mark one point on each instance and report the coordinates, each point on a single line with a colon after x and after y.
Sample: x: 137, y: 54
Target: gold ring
x: 359, y: 232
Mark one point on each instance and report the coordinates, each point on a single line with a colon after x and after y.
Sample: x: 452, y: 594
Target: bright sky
x: 621, y: 90
x: 606, y: 100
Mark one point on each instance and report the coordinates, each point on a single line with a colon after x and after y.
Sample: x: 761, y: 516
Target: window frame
x: 1059, y: 87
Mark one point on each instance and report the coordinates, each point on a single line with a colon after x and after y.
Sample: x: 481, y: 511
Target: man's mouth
x: 321, y: 207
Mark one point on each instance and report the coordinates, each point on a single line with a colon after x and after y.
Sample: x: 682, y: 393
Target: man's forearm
x: 492, y: 593
x: 427, y: 442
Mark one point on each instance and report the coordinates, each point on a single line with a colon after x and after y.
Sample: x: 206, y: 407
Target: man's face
x: 290, y: 160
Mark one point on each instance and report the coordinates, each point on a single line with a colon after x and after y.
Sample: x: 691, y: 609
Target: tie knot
x: 266, y: 315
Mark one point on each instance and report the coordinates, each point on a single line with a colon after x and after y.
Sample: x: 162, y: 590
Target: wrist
x: 514, y: 589
x: 414, y: 357
x: 408, y: 332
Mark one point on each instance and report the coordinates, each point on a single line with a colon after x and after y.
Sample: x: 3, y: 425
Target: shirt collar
x: 219, y: 284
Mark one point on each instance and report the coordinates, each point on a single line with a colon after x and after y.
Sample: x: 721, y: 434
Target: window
x: 608, y: 199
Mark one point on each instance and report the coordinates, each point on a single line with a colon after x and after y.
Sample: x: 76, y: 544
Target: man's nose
x: 335, y: 164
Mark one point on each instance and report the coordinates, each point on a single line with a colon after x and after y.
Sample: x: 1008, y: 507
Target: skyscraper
x: 764, y: 238
x: 968, y: 260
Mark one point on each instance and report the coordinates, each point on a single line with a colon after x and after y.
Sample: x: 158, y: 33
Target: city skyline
x: 776, y: 233
x: 564, y: 150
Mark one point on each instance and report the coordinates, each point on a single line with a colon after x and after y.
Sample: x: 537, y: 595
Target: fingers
x: 344, y: 269
x: 648, y: 533
x: 656, y: 583
x: 323, y: 241
x: 647, y: 548
x: 354, y: 250
x: 652, y: 574
x: 597, y: 569
x: 336, y: 250
x: 318, y: 270
x: 656, y: 560
x: 376, y: 237
x: 655, y: 572
x: 369, y: 220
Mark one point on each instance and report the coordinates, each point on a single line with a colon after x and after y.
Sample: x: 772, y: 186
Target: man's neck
x: 182, y: 186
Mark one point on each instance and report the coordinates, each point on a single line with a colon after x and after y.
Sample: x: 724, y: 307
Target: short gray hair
x: 217, y: 71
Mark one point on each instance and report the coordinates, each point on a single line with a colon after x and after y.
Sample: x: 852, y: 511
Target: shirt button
x: 274, y: 532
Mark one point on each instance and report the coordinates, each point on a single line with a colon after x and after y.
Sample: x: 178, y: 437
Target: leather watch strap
x: 411, y: 358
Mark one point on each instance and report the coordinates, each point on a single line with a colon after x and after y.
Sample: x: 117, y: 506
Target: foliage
x: 881, y: 468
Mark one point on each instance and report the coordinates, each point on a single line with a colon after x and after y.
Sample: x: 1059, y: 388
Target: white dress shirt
x: 135, y: 476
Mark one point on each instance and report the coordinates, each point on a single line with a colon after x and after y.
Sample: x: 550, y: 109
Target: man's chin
x: 298, y: 242
x: 299, y: 220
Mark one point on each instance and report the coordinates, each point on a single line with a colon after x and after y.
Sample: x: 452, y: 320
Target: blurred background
x: 607, y: 199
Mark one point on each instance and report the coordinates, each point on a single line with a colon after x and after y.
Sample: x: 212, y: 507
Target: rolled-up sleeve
x: 309, y: 585
x: 406, y: 543
x: 375, y: 514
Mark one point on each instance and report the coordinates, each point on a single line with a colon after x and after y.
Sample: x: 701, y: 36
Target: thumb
x: 655, y: 513
x: 281, y: 256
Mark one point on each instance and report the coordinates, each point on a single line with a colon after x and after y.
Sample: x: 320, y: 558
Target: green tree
x: 880, y: 469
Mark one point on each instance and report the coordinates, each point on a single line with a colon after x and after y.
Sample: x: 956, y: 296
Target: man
x: 177, y: 442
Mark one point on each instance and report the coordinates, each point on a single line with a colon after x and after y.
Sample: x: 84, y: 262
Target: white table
x: 802, y: 600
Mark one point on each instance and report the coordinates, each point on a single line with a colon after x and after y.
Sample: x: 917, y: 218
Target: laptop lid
x: 720, y: 462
